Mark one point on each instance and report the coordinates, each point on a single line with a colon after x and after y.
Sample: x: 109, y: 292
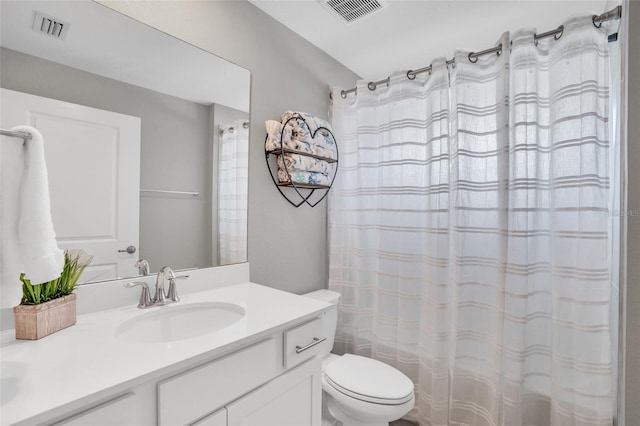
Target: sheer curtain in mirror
x: 233, y: 185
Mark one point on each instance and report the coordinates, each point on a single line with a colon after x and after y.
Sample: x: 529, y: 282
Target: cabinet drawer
x: 303, y: 342
x: 195, y: 393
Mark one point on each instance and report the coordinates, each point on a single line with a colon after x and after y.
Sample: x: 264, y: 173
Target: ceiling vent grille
x: 50, y: 26
x: 352, y: 10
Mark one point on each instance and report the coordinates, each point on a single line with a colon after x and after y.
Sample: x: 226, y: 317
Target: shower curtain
x: 469, y: 232
x: 233, y: 184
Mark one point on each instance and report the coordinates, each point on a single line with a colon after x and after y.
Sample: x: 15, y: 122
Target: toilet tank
x: 330, y: 319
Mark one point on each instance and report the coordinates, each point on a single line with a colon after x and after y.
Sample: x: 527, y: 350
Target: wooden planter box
x: 37, y: 321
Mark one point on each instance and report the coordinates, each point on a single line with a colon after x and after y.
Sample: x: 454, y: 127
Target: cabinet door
x: 293, y: 399
x: 191, y: 395
x: 119, y: 411
x: 219, y: 418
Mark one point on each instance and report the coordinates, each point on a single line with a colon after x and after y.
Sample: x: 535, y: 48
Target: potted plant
x: 51, y: 306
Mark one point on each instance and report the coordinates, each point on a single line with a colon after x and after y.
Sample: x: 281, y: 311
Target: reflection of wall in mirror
x: 176, y: 152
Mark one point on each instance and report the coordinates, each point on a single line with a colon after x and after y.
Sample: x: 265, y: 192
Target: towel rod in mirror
x: 22, y: 135
x: 161, y: 191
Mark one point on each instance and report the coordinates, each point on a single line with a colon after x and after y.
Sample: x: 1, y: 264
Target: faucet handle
x: 145, y: 298
x: 173, y: 293
x: 165, y: 273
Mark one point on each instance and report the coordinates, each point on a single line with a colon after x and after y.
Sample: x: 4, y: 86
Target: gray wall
x: 175, y: 152
x: 632, y: 299
x: 287, y: 246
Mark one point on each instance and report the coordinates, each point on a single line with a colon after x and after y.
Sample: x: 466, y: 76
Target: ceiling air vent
x: 352, y: 10
x: 50, y: 26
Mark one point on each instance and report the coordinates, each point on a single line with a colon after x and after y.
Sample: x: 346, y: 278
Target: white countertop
x: 87, y: 358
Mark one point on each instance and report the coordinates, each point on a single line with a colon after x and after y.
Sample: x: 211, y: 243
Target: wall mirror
x: 95, y: 83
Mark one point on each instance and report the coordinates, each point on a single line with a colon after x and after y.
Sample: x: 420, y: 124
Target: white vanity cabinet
x: 118, y: 411
x: 293, y: 399
x: 276, y: 391
x: 189, y: 396
x: 256, y: 385
x: 263, y: 370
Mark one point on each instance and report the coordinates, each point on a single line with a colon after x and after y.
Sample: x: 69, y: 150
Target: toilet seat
x: 369, y: 380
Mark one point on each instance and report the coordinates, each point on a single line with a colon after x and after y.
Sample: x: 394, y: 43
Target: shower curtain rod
x: 615, y: 13
x: 22, y: 135
x: 245, y: 125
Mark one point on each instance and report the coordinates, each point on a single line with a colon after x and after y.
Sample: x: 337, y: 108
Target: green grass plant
x: 74, y: 265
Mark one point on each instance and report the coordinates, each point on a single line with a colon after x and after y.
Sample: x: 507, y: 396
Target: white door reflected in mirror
x: 93, y: 163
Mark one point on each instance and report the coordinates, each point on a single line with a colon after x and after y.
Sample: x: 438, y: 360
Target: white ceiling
x: 410, y: 34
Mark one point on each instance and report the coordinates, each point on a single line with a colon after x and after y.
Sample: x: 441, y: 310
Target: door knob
x: 130, y: 250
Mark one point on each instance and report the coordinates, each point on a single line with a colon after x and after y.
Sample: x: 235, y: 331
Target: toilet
x: 359, y: 391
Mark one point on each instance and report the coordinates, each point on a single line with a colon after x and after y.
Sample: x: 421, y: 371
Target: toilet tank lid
x: 327, y: 296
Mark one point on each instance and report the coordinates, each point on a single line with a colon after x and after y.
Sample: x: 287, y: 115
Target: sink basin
x: 179, y: 322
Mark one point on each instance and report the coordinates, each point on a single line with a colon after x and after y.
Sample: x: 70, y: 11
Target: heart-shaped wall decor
x: 306, y: 158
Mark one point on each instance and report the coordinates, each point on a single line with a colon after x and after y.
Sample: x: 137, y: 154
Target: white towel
x: 41, y: 259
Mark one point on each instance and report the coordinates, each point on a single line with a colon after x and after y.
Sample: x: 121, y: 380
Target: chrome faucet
x: 143, y: 267
x: 160, y: 298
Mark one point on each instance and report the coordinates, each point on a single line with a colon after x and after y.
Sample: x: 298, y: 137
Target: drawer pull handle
x: 316, y: 341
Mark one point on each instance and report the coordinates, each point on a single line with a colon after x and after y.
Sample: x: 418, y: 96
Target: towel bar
x: 162, y: 191
x: 11, y: 133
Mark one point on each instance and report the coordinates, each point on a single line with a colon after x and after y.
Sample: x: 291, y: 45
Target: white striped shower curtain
x: 233, y: 188
x: 470, y: 232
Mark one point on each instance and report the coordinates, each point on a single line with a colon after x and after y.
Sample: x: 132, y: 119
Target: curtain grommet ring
x: 472, y: 59
x: 499, y: 52
x: 411, y: 75
x: 593, y: 19
x: 372, y: 86
x: 343, y: 94
x: 561, y: 33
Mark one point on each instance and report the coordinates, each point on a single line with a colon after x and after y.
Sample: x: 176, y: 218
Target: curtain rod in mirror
x: 162, y: 191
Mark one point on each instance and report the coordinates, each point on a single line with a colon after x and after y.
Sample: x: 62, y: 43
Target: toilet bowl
x: 359, y: 391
